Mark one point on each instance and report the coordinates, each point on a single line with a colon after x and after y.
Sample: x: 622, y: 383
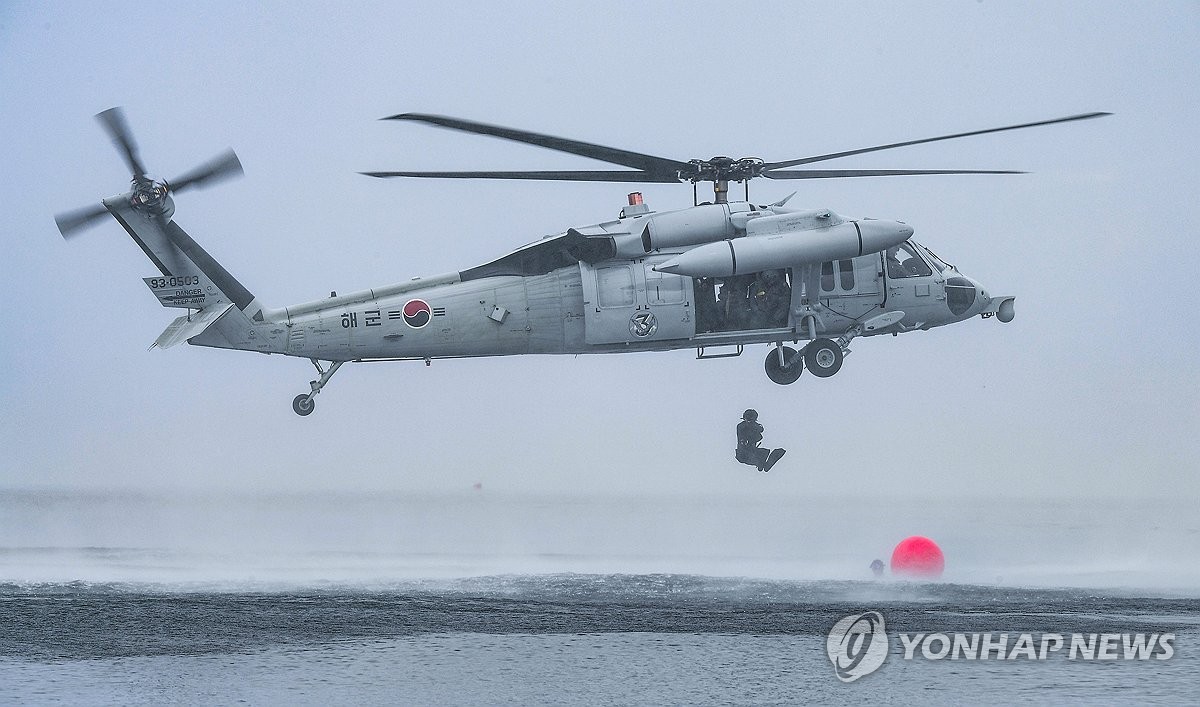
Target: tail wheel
x: 781, y: 374
x: 823, y: 357
x: 304, y: 405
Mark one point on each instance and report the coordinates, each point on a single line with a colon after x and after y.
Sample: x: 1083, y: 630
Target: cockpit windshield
x: 938, y: 263
x: 905, y: 261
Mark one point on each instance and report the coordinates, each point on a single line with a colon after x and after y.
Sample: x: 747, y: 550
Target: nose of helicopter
x: 964, y: 296
x: 967, y: 297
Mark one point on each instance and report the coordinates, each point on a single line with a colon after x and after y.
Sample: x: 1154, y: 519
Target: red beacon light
x: 637, y: 205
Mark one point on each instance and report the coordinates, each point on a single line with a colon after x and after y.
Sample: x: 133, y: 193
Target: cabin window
x: 827, y: 276
x: 846, y: 268
x: 663, y: 288
x: 615, y: 286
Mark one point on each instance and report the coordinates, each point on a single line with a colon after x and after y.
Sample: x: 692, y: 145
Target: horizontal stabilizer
x: 185, y: 328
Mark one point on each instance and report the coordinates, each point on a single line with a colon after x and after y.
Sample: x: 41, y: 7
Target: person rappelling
x: 749, y: 434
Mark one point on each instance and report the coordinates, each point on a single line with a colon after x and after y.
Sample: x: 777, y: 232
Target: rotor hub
x: 149, y: 195
x: 722, y: 169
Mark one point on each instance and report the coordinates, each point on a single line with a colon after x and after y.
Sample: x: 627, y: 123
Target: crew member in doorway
x: 770, y: 299
x: 708, y: 315
x: 734, y: 303
x: 749, y: 434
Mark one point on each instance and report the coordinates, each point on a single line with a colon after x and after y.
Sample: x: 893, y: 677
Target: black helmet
x: 750, y: 414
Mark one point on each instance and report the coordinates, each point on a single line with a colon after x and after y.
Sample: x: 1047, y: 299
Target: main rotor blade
x: 834, y: 155
x: 835, y: 173
x: 114, y: 123
x: 659, y: 167
x: 221, y: 167
x: 72, y: 222
x: 594, y: 176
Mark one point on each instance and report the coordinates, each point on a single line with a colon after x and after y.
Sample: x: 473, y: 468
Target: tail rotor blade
x: 114, y: 123
x: 224, y: 166
x: 71, y: 223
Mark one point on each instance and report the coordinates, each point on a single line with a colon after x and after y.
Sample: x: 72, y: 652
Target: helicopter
x: 715, y: 277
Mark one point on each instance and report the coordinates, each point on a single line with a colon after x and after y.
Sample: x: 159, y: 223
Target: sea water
x: 123, y: 599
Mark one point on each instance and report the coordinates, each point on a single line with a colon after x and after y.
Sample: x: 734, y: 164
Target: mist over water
x: 296, y: 540
x: 483, y: 597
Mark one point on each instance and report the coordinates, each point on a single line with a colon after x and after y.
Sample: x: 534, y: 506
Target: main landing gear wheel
x: 304, y: 404
x: 780, y: 373
x: 823, y: 357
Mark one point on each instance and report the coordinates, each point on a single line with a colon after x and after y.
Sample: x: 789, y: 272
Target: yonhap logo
x: 857, y: 645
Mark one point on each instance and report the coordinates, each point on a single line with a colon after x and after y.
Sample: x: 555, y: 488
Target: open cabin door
x: 626, y: 301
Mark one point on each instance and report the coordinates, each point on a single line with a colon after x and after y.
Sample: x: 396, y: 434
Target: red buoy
x: 918, y: 556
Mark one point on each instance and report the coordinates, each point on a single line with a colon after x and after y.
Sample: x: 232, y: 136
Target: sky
x: 1091, y: 391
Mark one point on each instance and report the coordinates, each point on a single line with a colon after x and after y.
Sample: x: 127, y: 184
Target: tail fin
x: 190, y: 276
x: 230, y: 316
